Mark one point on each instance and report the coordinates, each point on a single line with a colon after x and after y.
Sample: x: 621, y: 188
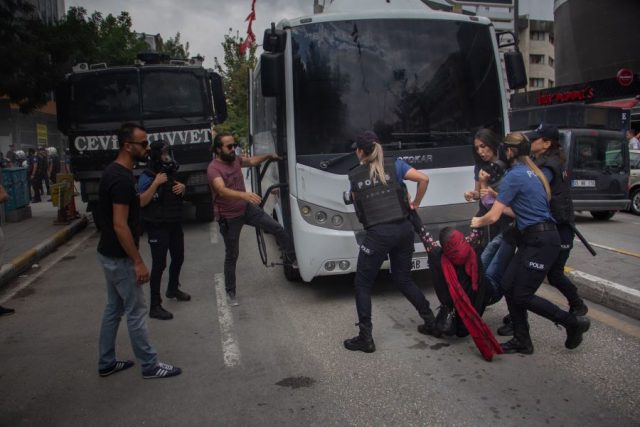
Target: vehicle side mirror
x: 62, y: 94
x: 272, y: 74
x: 516, y: 73
x: 219, y: 99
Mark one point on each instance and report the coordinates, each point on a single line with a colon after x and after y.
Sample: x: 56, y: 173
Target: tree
x: 235, y: 76
x: 36, y: 56
x: 174, y: 48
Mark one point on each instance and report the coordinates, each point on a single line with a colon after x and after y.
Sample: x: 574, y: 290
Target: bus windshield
x: 123, y: 95
x: 417, y: 83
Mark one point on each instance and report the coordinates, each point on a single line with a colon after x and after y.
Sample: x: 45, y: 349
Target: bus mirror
x: 516, y: 74
x: 219, y: 100
x: 274, y: 40
x: 271, y: 74
x: 62, y: 106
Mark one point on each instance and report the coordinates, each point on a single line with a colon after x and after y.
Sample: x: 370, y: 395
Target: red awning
x: 627, y: 104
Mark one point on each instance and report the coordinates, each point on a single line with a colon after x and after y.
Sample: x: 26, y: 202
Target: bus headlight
x: 321, y: 217
x: 306, y: 210
x: 330, y: 265
x: 344, y: 265
x: 337, y: 220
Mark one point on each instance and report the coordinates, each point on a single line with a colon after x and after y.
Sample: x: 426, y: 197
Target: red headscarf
x: 456, y: 251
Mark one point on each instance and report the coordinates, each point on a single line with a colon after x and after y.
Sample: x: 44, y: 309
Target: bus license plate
x: 583, y: 183
x: 419, y: 263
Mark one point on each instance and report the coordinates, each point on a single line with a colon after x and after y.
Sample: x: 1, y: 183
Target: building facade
x: 536, y: 42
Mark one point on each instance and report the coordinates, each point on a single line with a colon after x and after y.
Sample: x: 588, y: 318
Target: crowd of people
x: 522, y: 233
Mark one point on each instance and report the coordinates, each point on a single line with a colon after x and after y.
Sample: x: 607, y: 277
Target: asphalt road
x: 277, y: 359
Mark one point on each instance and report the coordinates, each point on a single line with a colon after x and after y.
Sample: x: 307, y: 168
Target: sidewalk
x: 29, y: 240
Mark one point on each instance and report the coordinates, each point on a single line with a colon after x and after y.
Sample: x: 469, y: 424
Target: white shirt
x: 634, y: 144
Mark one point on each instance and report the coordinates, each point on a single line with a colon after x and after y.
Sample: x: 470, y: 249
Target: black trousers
x: 556, y: 274
x: 165, y: 237
x: 396, y: 240
x: 36, y: 183
x: 230, y: 229
x: 536, y: 253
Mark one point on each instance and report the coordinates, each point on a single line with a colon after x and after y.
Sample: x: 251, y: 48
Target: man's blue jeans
x: 495, y: 258
x: 124, y: 296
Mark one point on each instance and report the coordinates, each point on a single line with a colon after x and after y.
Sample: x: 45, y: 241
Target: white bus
x: 424, y: 81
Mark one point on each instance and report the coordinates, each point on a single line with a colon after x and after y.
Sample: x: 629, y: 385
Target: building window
x: 551, y: 61
x: 536, y: 82
x: 551, y: 83
x: 551, y: 38
x: 537, y: 35
x: 536, y: 59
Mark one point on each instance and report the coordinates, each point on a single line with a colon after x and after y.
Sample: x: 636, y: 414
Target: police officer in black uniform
x: 525, y: 190
x: 382, y: 206
x: 161, y: 201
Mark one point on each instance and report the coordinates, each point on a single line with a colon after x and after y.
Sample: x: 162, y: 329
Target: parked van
x: 596, y: 149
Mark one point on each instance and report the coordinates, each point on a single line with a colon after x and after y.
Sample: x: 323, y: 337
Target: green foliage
x: 174, y: 48
x: 235, y: 75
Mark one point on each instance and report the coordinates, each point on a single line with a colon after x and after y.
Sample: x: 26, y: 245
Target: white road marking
x: 214, y: 233
x: 230, y: 350
x: 46, y: 263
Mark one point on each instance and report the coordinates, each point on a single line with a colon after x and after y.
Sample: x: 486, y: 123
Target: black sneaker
x: 360, y: 343
x: 514, y: 345
x: 178, y: 295
x: 4, y: 311
x: 575, y: 329
x: 120, y: 365
x: 161, y: 370
x: 157, y: 312
x: 232, y: 300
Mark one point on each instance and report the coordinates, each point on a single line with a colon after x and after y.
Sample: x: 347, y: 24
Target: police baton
x: 583, y: 240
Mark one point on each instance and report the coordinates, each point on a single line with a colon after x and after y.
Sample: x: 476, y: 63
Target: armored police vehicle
x: 176, y: 101
x: 597, y: 153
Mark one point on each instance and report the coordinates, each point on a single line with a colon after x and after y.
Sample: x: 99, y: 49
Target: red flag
x: 251, y: 37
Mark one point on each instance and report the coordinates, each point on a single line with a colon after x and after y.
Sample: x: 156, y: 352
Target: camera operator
x: 161, y: 201
x: 382, y: 206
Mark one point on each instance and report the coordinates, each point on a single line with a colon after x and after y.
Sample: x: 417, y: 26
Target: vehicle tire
x: 603, y: 215
x: 291, y: 273
x: 634, y: 208
x: 204, y: 212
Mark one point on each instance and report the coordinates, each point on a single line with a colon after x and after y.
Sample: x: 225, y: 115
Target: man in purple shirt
x: 234, y: 206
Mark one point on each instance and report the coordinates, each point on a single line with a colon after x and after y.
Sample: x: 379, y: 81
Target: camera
x: 495, y: 169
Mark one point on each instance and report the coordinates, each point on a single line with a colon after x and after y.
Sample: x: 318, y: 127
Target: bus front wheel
x: 291, y: 273
x: 204, y: 212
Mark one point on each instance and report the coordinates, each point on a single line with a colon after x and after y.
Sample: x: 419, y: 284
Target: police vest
x: 561, y: 203
x: 165, y: 206
x: 375, y: 202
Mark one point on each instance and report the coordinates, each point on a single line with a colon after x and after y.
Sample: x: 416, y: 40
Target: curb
x: 612, y: 295
x: 23, y: 262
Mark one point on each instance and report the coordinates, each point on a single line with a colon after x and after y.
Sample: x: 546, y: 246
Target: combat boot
x: 578, y: 308
x: 362, y: 342
x: 429, y: 326
x: 575, y: 326
x: 521, y: 341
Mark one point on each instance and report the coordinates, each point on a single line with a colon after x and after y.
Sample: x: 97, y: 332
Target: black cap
x: 544, y: 131
x: 365, y: 141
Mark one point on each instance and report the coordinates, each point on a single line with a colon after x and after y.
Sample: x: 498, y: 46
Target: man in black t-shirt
x: 123, y: 266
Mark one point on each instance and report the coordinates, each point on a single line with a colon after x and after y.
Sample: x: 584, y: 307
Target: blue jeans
x: 495, y: 258
x: 124, y: 295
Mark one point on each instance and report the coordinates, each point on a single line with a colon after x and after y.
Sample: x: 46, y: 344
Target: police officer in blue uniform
x: 161, y: 201
x: 382, y: 206
x: 525, y: 190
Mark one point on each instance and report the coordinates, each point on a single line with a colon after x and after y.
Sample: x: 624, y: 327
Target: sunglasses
x: 143, y: 144
x: 234, y: 145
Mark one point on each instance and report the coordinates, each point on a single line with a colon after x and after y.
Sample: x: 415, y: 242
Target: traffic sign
x: 625, y: 76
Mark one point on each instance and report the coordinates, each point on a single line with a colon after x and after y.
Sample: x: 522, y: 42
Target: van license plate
x: 583, y: 183
x: 421, y: 263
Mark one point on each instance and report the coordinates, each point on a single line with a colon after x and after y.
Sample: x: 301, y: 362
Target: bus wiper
x: 328, y: 163
x: 167, y: 112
